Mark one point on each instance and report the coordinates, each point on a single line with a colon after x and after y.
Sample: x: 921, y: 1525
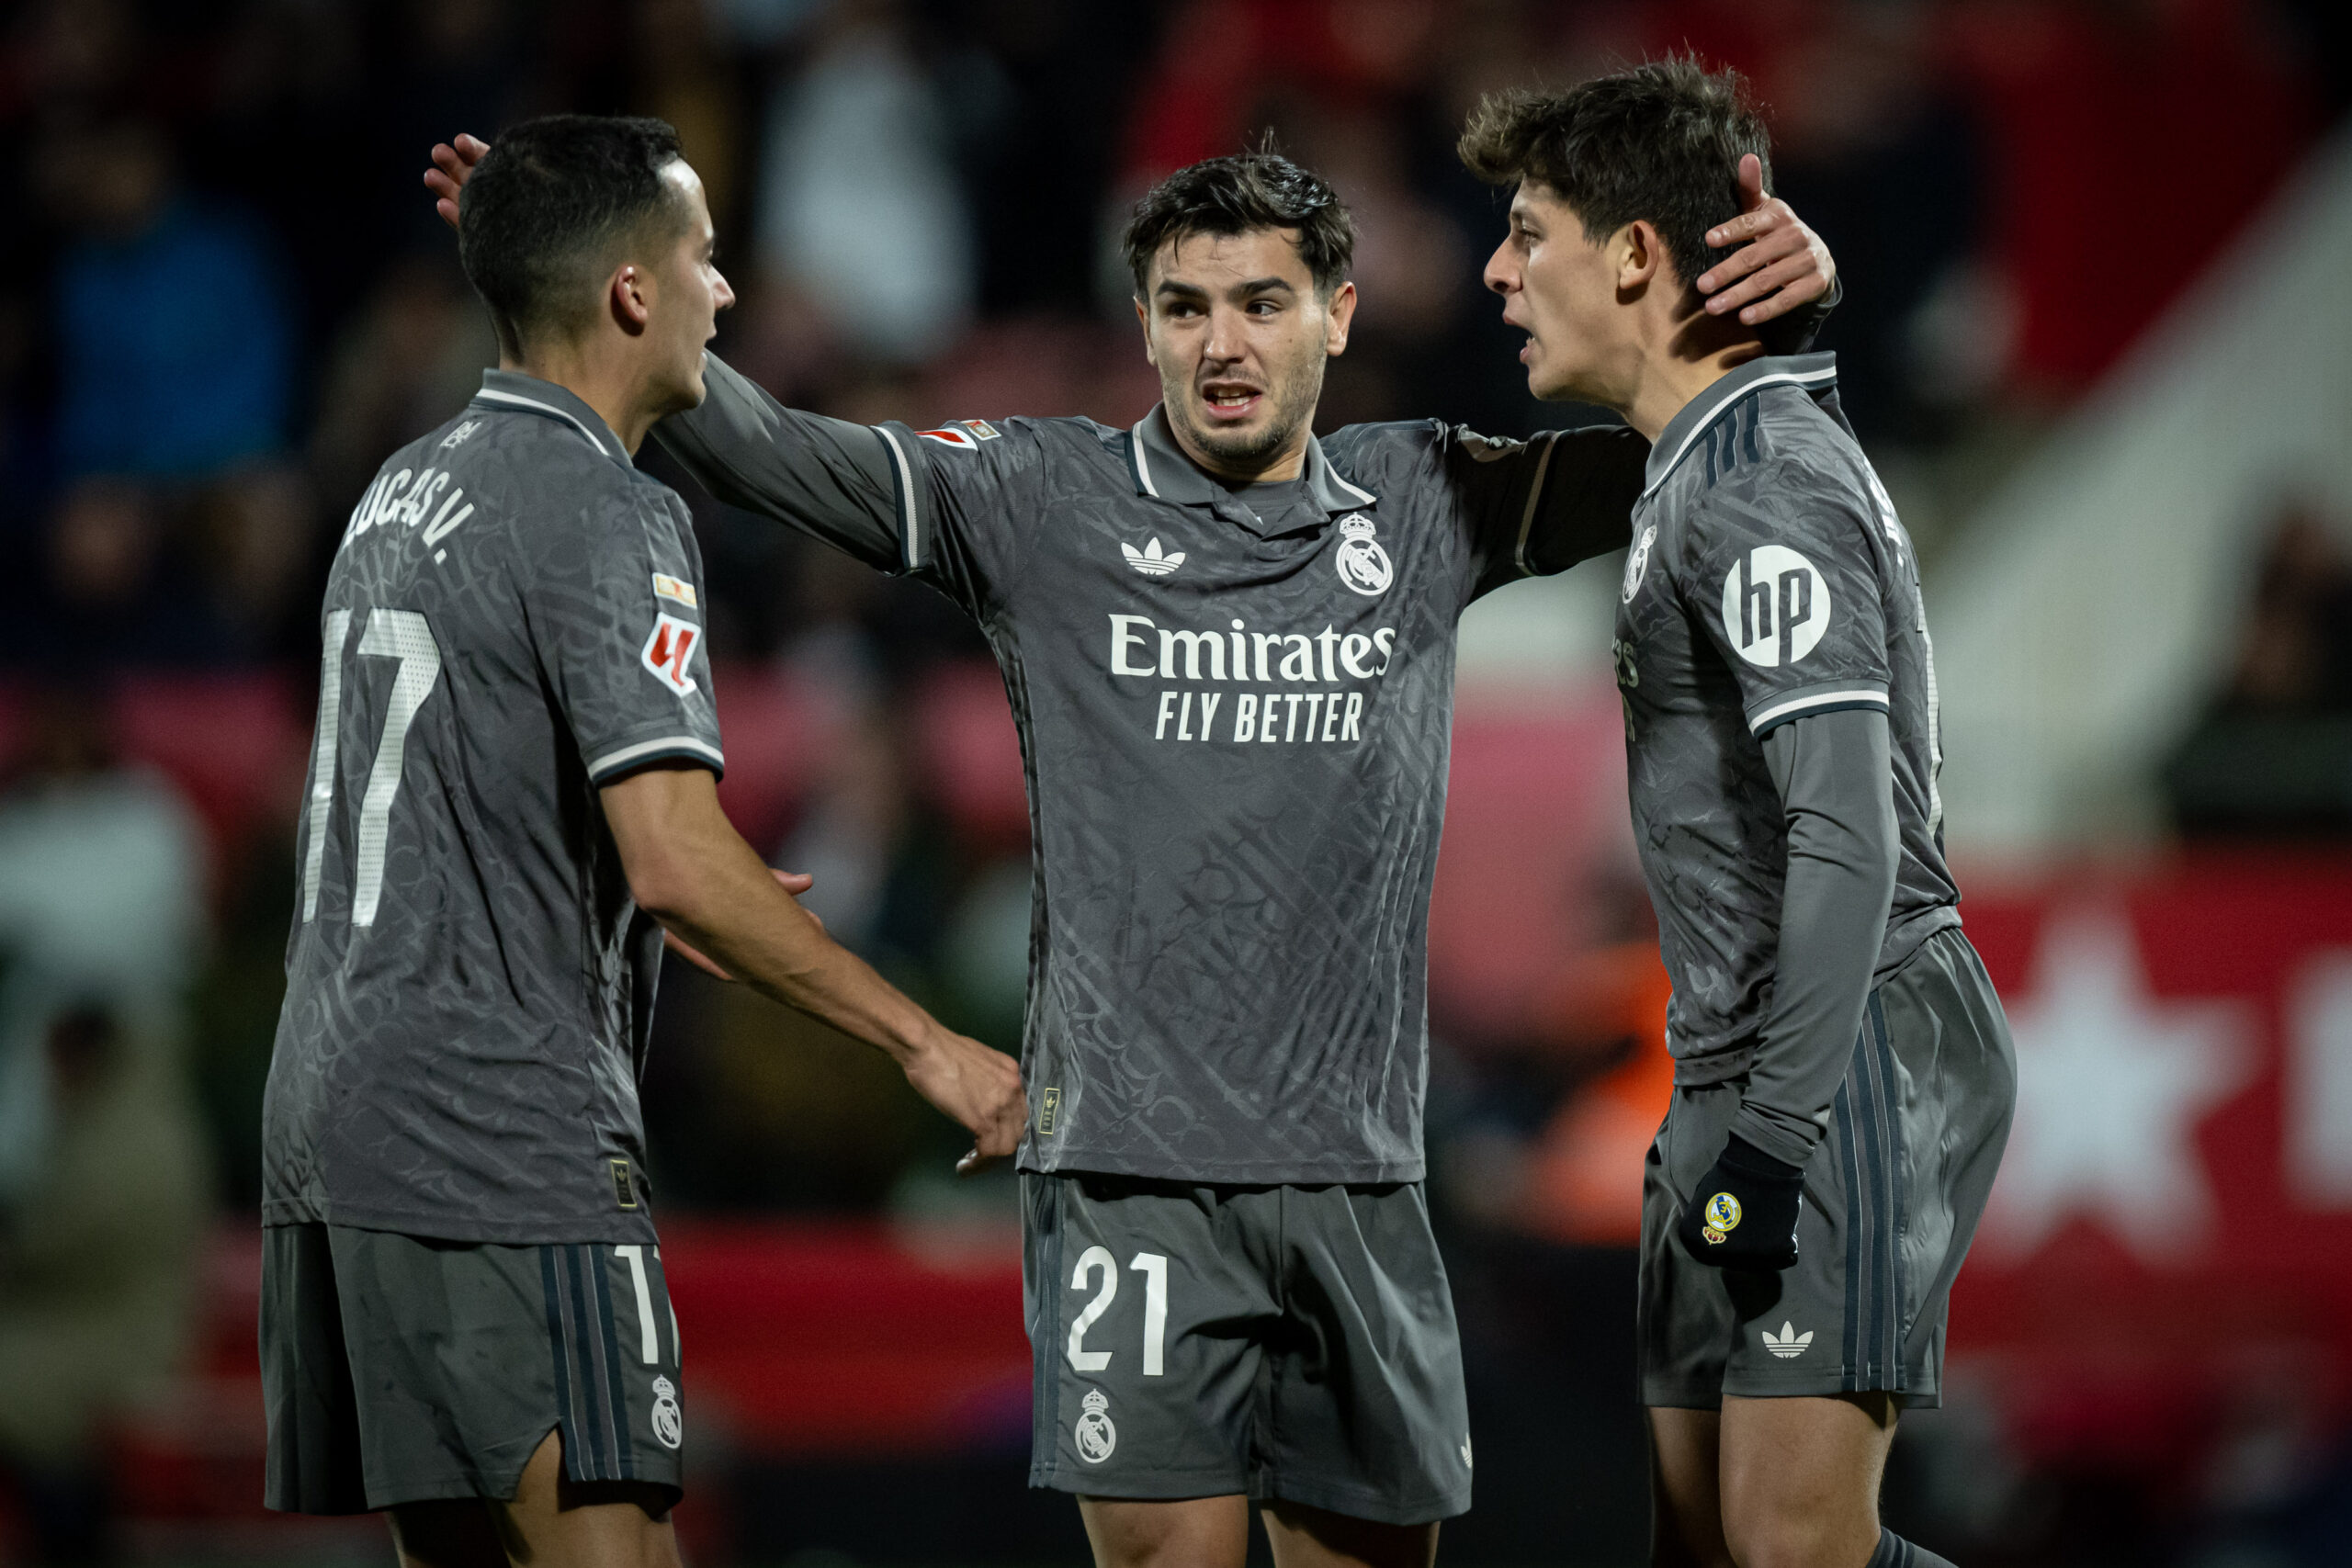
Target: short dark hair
x: 1661, y: 141
x: 1240, y: 193
x: 548, y: 207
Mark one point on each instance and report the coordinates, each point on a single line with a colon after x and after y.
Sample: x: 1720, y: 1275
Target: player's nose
x: 1226, y: 340
x: 723, y: 291
x: 1501, y: 275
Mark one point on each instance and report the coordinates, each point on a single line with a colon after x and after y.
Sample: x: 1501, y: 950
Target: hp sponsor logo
x: 1776, y: 605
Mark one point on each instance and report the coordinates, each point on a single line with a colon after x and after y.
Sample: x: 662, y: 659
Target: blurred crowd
x: 232, y: 299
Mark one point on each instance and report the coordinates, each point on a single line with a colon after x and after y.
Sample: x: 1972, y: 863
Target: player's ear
x: 1143, y: 320
x: 1337, y: 316
x: 630, y: 294
x: 1637, y: 251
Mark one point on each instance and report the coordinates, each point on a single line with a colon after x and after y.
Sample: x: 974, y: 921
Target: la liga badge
x: 669, y: 650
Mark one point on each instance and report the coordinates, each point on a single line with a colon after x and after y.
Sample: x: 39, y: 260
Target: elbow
x: 660, y: 888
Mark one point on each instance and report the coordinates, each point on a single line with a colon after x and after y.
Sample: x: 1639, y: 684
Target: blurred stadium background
x: 2097, y: 340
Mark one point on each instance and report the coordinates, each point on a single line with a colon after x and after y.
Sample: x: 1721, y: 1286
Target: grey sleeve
x: 1540, y: 506
x: 827, y: 478
x: 1837, y: 786
x: 1794, y: 332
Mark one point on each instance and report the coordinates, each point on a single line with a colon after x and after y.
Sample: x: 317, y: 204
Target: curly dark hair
x: 1661, y: 141
x: 1239, y: 195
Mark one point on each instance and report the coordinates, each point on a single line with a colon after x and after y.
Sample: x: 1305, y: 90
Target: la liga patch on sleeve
x: 668, y: 651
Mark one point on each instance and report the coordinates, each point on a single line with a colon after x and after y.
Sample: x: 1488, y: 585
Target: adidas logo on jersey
x: 1149, y: 561
x: 1788, y: 1345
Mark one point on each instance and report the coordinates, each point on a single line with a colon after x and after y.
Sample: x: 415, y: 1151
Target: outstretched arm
x: 692, y: 873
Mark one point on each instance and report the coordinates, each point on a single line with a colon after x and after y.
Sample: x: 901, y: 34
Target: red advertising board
x: 2166, y: 1260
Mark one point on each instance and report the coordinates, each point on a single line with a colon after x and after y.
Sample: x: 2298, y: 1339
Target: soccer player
x: 463, y: 1312
x: 1229, y: 649
x: 1844, y: 1076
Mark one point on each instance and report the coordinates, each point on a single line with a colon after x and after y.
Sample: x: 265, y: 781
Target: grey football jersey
x: 1768, y: 581
x: 512, y: 620
x: 1236, y: 732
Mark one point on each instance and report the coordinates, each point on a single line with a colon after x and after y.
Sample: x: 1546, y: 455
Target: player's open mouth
x: 1527, y: 349
x: 1227, y: 402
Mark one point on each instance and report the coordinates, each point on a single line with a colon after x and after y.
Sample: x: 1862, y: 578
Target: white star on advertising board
x: 2111, y: 1084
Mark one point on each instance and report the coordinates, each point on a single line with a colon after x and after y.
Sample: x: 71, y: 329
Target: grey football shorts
x: 1283, y: 1342
x: 398, y: 1370
x: 1890, y: 1201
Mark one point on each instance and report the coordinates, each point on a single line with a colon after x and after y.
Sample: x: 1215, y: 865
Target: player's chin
x: 1550, y: 388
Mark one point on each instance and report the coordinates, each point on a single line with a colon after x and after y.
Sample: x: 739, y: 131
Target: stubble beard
x: 1244, y: 451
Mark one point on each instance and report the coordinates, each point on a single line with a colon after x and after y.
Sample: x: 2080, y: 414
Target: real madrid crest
x: 1723, y: 1218
x: 1363, y: 565
x: 669, y: 1422
x: 1637, y: 563
x: 1096, y: 1436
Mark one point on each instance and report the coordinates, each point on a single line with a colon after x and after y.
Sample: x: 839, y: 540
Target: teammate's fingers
x: 1738, y: 264
x: 1747, y: 226
x: 1752, y: 182
x: 1769, y: 273
x: 1782, y: 291
x: 793, y: 882
x: 470, y: 148
x: 1793, y: 269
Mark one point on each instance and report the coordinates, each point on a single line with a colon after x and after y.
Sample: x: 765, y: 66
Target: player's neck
x: 1681, y: 357
x: 1290, y: 463
x: 616, y: 392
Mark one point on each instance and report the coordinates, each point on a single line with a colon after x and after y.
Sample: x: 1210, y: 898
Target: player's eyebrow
x: 1169, y: 286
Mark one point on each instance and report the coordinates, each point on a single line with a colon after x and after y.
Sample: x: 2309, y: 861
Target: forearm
x: 1836, y: 786
x: 1567, y: 496
x: 1586, y: 506
x: 728, y: 907
x: 692, y: 873
x: 825, y: 477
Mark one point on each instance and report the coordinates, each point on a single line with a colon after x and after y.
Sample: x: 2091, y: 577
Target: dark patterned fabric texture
x: 512, y: 620
x: 1768, y: 579
x: 1235, y: 714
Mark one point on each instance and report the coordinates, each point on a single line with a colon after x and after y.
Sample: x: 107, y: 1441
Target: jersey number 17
x: 405, y: 635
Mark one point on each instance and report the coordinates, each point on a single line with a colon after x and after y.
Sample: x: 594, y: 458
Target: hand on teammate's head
x: 453, y: 164
x: 1778, y: 264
